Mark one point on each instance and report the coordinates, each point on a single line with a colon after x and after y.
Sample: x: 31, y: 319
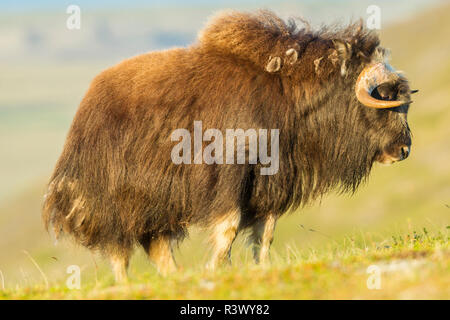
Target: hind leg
x: 119, y: 262
x: 261, y: 238
x: 160, y: 252
x: 224, y: 232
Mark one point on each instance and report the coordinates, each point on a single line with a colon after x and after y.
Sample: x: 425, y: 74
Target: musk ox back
x: 336, y: 103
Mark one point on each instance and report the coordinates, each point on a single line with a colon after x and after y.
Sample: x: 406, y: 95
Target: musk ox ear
x: 343, y: 52
x: 291, y: 56
x: 274, y: 64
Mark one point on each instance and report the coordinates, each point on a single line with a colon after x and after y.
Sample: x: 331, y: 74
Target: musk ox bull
x: 338, y: 105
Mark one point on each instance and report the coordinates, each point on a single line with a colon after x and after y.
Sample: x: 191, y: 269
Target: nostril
x: 405, y: 152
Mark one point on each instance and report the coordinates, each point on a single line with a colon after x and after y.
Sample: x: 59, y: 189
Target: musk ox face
x: 387, y: 96
x: 395, y: 135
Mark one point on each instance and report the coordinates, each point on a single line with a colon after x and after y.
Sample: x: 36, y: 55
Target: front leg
x: 261, y: 238
x: 224, y: 232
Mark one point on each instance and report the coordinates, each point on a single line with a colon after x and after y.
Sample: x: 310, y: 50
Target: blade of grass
x: 37, y: 267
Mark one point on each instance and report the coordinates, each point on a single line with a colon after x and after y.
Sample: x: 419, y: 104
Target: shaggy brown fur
x: 115, y: 184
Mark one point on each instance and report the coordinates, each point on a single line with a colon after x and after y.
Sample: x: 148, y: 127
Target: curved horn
x: 371, y: 77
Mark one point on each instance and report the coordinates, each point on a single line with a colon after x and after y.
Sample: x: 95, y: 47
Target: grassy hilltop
x: 398, y: 221
x: 412, y: 266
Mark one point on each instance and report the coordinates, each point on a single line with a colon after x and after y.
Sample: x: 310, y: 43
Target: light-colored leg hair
x: 222, y: 236
x: 120, y: 265
x: 261, y: 238
x: 161, y: 253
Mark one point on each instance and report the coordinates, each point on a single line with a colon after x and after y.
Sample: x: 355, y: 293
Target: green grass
x: 414, y: 265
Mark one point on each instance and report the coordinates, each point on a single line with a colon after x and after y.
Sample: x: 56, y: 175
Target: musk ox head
x: 386, y: 94
x: 356, y: 67
x: 331, y: 72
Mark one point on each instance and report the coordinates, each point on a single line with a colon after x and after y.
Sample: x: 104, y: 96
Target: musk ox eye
x: 385, y: 91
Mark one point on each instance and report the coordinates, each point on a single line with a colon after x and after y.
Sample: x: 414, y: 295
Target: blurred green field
x: 319, y: 252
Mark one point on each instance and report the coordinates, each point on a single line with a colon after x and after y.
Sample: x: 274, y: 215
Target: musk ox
x: 337, y: 103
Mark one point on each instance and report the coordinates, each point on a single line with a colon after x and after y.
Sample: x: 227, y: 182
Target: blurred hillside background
x: 45, y: 69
